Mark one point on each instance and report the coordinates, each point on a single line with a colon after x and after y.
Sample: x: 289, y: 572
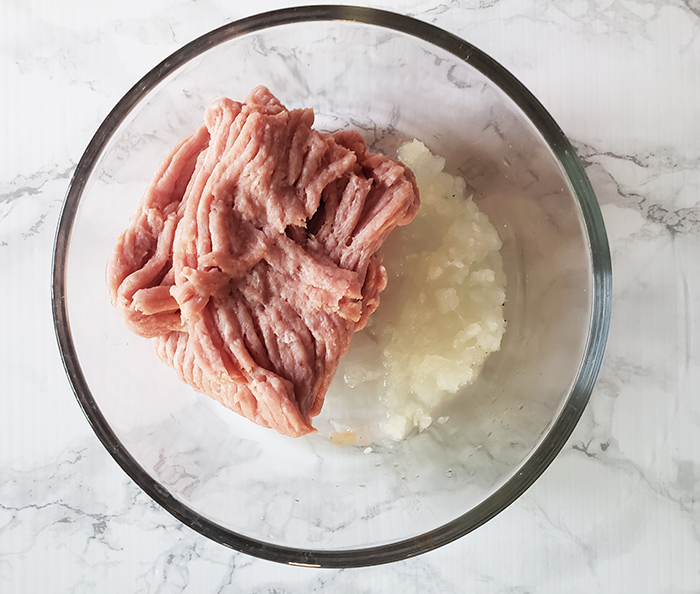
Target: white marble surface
x: 618, y: 511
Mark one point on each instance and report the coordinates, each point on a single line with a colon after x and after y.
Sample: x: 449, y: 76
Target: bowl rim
x: 560, y: 429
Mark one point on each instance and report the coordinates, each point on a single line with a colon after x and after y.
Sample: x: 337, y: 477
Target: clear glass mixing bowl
x: 309, y: 501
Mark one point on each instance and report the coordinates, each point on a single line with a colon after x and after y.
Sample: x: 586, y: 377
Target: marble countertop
x: 619, y: 509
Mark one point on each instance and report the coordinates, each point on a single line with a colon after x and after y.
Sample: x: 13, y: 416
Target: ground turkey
x: 252, y: 257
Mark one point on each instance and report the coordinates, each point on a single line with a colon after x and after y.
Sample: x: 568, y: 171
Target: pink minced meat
x: 252, y: 258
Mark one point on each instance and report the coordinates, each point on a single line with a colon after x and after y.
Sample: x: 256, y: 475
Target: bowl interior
x: 248, y: 487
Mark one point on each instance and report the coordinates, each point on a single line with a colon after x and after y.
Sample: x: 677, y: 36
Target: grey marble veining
x: 618, y: 511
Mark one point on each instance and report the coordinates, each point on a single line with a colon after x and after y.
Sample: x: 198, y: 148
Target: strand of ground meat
x: 252, y: 258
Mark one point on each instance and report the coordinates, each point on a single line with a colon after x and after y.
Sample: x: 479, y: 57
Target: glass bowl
x: 310, y: 501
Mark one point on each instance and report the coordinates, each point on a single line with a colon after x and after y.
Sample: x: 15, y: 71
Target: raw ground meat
x: 252, y: 257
